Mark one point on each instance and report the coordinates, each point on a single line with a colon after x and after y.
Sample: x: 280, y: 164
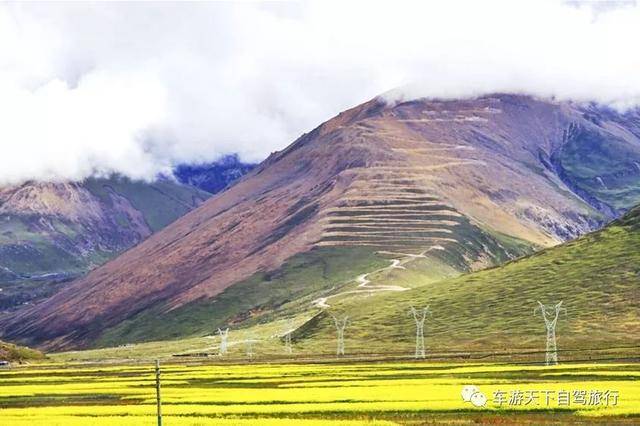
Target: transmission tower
x: 340, y: 326
x: 288, y: 347
x: 420, y: 316
x: 550, y: 315
x: 249, y: 344
x: 224, y: 334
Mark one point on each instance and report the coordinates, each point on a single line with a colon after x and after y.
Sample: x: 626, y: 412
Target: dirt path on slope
x: 364, y: 283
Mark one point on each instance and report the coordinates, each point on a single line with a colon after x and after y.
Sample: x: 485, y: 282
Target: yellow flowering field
x: 383, y: 393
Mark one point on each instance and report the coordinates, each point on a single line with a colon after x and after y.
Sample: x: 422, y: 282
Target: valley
x: 363, y: 219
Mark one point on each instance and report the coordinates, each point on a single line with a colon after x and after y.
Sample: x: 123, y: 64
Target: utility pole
x: 550, y: 315
x: 340, y: 326
x: 158, y: 397
x: 420, y: 316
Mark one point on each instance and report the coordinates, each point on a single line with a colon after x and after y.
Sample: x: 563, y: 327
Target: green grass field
x: 317, y: 394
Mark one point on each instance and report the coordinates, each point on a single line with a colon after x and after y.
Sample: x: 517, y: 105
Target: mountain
x: 597, y: 277
x: 460, y: 185
x: 213, y: 177
x: 51, y: 233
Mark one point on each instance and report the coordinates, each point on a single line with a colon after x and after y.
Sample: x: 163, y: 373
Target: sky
x: 92, y: 89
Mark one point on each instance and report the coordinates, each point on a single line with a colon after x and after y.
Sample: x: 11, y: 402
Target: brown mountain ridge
x: 470, y: 183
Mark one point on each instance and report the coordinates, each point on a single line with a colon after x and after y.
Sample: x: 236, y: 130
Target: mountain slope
x: 14, y: 353
x: 596, y: 276
x: 461, y: 184
x: 53, y: 232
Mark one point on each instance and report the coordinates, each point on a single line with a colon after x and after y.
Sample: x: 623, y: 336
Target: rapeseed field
x: 383, y: 393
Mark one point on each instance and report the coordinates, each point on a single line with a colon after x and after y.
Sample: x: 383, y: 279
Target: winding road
x: 364, y: 283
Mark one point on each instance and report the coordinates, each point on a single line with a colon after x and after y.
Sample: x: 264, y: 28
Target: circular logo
x: 472, y: 394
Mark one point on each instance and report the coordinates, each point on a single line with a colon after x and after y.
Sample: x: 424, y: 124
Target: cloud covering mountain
x: 93, y: 89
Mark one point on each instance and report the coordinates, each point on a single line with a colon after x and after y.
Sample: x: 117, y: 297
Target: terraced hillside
x: 460, y: 184
x: 387, y: 208
x: 51, y: 233
x: 492, y: 311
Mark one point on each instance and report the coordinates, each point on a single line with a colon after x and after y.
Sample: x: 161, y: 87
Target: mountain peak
x: 482, y: 180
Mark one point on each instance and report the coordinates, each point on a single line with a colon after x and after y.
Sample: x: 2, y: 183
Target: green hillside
x: 596, y: 276
x: 53, y: 233
x: 321, y: 272
x: 160, y: 202
x: 297, y: 280
x: 15, y: 353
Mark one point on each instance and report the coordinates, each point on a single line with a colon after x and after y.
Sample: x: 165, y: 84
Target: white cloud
x: 56, y: 132
x: 137, y: 87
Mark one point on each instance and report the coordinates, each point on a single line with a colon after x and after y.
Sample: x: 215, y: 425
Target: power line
x: 550, y: 315
x: 340, y: 326
x: 420, y: 316
x: 224, y: 335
